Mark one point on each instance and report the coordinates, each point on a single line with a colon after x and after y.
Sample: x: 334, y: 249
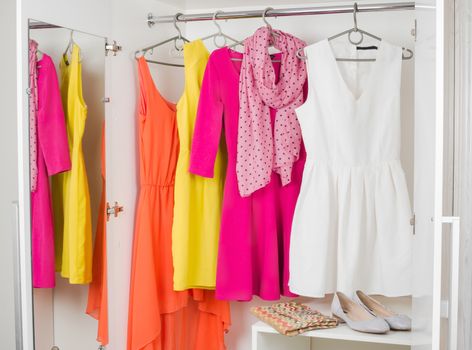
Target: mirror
x: 60, y: 317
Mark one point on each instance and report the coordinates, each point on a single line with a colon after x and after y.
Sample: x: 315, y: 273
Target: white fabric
x: 351, y: 228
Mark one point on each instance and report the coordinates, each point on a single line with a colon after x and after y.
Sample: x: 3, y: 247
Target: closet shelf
x: 343, y: 332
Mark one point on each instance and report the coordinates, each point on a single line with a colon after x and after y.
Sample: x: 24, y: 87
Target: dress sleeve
x: 208, y: 125
x: 52, y: 134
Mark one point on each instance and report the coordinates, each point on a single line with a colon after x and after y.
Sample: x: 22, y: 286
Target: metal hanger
x: 406, y: 55
x: 68, y: 49
x: 220, y: 34
x: 272, y: 33
x: 269, y: 26
x: 70, y: 45
x: 176, y: 39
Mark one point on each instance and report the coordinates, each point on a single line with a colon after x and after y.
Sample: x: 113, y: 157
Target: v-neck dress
x: 351, y: 228
x: 255, y: 230
x: 70, y: 190
x: 197, y: 207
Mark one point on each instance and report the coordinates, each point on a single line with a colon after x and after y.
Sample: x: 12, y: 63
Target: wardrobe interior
x: 59, y: 313
x: 312, y: 29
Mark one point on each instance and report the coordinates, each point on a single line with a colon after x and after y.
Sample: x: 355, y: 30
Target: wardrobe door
x: 428, y: 184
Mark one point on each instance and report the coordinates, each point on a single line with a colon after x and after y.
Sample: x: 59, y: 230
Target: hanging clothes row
x: 61, y: 226
x: 254, y: 214
x: 258, y: 145
x: 255, y: 230
x: 56, y: 150
x: 159, y: 316
x: 353, y: 206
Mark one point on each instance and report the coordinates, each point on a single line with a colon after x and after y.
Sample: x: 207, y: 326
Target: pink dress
x: 53, y: 157
x: 255, y: 230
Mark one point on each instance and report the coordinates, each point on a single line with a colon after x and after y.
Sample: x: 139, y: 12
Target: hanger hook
x: 176, y: 18
x: 354, y: 12
x: 264, y: 14
x: 216, y: 23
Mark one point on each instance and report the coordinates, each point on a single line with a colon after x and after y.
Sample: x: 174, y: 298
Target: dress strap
x: 145, y: 84
x: 195, y: 51
x: 76, y: 75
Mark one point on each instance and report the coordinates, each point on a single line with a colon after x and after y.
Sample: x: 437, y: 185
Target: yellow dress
x: 70, y: 191
x: 197, y: 206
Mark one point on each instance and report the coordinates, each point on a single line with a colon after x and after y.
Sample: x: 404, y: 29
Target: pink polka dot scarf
x: 260, y: 151
x: 33, y: 109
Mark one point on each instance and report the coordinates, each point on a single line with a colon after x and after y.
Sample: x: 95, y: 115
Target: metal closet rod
x: 285, y: 12
x: 34, y: 24
x: 42, y: 25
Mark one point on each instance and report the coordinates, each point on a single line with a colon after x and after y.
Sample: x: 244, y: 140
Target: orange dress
x: 160, y: 318
x: 97, y: 305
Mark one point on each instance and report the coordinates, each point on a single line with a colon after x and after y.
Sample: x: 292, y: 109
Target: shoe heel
x: 340, y: 320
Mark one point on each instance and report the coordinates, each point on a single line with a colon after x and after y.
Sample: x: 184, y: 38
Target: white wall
x: 9, y: 181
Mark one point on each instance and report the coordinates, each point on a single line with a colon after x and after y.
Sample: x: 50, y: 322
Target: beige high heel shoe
x: 355, y: 316
x: 395, y: 321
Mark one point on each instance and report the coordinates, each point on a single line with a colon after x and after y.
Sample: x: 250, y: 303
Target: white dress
x: 351, y: 229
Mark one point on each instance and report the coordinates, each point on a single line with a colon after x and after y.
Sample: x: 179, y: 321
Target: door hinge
x: 115, y: 210
x: 413, y: 223
x: 106, y: 99
x: 112, y: 47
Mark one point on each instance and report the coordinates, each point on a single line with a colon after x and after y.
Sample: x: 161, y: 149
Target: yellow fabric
x: 197, y: 208
x: 71, y: 198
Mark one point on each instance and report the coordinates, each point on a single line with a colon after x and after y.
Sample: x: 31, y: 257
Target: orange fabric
x: 97, y: 305
x: 160, y: 318
x: 214, y: 320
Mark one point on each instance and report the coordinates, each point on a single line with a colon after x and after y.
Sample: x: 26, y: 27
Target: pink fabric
x: 255, y: 230
x: 259, y: 152
x: 53, y: 158
x: 33, y: 108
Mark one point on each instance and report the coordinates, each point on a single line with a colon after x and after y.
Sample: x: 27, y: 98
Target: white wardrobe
x: 110, y: 88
